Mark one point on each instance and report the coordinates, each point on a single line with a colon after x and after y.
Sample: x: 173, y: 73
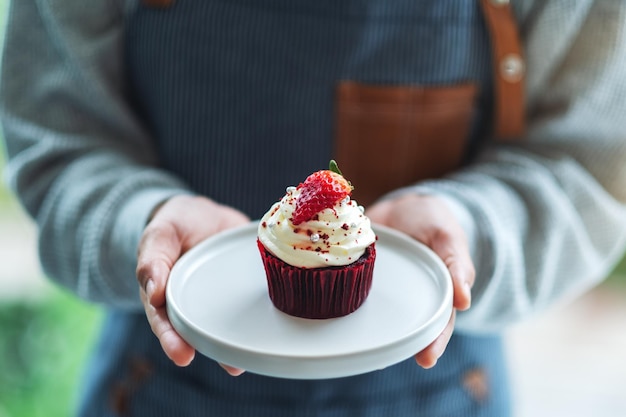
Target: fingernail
x: 468, y: 293
x: 149, y: 289
x: 426, y: 366
x: 468, y: 289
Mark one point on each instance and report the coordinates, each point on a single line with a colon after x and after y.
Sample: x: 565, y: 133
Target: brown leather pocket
x: 392, y: 136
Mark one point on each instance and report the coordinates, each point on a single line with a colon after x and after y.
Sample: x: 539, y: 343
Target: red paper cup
x: 318, y: 293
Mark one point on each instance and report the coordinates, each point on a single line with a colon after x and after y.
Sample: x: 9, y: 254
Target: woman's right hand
x: 175, y: 227
x: 428, y: 219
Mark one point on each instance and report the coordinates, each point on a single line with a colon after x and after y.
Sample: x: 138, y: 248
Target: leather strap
x: 509, y: 71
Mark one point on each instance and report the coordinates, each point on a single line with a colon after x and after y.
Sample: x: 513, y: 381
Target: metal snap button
x: 512, y: 68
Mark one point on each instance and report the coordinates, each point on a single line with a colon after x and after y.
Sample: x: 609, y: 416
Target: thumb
x: 159, y: 249
x: 455, y: 254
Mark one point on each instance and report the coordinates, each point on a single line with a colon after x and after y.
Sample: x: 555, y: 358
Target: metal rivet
x: 512, y: 68
x: 499, y: 2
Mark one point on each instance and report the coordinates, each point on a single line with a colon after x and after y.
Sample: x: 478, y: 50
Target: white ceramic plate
x: 217, y: 300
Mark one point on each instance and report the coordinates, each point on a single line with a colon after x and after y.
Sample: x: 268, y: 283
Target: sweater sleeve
x: 547, y: 217
x: 78, y: 159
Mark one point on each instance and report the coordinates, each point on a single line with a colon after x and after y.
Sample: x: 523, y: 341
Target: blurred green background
x: 45, y: 333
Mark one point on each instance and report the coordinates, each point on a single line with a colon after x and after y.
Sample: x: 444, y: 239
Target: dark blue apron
x: 242, y: 100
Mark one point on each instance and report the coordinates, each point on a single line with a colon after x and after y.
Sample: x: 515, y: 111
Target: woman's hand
x: 429, y: 220
x: 176, y: 226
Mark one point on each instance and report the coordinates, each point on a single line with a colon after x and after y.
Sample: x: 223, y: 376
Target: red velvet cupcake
x: 318, y: 249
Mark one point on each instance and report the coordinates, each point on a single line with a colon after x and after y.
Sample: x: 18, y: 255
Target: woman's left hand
x: 429, y: 220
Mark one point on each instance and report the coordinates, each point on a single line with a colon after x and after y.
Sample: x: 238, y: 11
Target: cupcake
x: 318, y: 248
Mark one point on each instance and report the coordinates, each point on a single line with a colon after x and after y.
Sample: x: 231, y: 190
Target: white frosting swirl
x: 334, y: 237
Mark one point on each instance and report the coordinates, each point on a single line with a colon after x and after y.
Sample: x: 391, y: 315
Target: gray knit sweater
x: 546, y: 218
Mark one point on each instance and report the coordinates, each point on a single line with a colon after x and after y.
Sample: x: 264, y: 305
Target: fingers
x: 158, y: 250
x: 454, y: 252
x: 232, y: 371
x: 174, y: 346
x: 429, y: 220
x: 179, y: 351
x: 428, y: 357
x: 379, y: 212
x: 176, y: 226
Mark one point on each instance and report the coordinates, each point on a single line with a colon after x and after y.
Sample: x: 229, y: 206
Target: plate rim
x: 173, y: 308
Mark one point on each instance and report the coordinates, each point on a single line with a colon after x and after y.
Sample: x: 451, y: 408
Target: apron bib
x: 245, y: 97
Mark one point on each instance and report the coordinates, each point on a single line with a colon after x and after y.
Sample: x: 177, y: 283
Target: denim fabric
x: 131, y: 376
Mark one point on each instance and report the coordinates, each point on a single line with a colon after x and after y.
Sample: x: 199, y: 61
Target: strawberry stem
x: 332, y: 166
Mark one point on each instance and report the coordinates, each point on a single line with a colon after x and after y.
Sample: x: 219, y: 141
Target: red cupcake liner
x: 318, y: 293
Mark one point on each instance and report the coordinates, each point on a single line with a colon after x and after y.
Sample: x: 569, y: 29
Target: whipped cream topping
x: 334, y: 237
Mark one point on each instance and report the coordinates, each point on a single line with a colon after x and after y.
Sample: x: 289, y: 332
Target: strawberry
x: 321, y: 190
